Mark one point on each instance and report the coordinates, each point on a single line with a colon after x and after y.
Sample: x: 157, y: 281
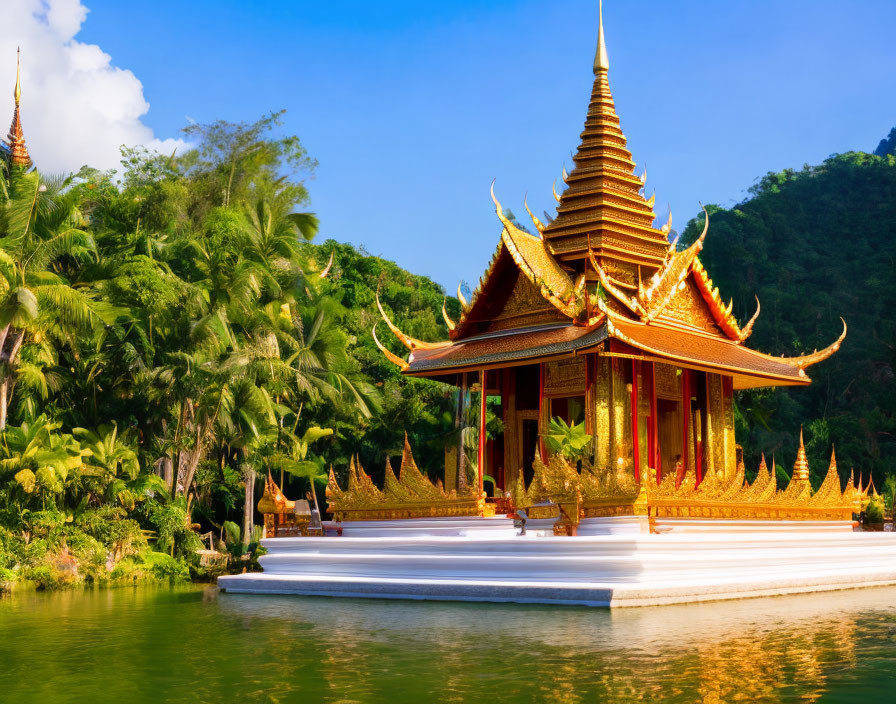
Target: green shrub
x: 44, y: 577
x: 874, y: 512
x: 166, y: 568
x: 569, y: 441
x: 174, y: 532
x: 129, y: 569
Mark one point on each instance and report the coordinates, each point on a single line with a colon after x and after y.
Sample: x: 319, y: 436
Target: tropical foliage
x: 567, y: 439
x: 167, y: 338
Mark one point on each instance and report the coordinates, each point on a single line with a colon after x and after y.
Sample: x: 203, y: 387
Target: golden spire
x: 604, y: 197
x: 18, y: 91
x: 601, y: 62
x: 15, y: 144
x: 801, y: 466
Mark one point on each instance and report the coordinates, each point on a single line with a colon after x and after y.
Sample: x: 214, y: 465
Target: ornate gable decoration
x: 525, y: 306
x: 688, y: 306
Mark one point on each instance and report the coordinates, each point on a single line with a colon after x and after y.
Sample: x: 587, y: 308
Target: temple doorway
x: 670, y: 433
x: 528, y: 435
x: 669, y: 418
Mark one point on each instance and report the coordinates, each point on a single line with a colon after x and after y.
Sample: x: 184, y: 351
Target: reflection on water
x: 197, y: 645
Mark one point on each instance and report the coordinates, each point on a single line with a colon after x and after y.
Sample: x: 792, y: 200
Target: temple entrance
x: 670, y: 433
x: 670, y: 418
x: 528, y: 435
x: 523, y: 386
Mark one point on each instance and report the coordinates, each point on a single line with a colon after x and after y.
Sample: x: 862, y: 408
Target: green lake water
x: 197, y: 645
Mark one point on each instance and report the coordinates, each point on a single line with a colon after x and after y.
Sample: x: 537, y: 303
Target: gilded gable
x: 525, y: 306
x: 688, y: 306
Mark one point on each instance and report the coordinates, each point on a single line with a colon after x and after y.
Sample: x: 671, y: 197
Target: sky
x: 412, y: 108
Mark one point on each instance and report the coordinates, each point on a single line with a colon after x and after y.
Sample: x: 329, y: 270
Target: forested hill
x: 815, y: 245
x: 421, y: 408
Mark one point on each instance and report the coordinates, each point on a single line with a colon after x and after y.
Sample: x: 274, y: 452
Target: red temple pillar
x: 541, y: 414
x: 653, y: 445
x: 685, y: 418
x: 636, y: 439
x: 482, y: 399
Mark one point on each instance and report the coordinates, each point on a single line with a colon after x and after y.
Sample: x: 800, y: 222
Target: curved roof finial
x: 601, y: 62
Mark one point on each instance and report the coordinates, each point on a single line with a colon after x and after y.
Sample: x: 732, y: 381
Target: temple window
x: 570, y: 408
x: 563, y: 389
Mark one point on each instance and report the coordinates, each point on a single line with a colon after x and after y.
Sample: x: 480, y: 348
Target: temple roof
x: 604, y: 199
x: 690, y: 349
x: 530, y: 255
x: 581, y: 282
x: 506, y: 347
x: 17, y: 152
x: 654, y: 342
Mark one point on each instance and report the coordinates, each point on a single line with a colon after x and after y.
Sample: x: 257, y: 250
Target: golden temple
x: 16, y: 152
x: 600, y: 320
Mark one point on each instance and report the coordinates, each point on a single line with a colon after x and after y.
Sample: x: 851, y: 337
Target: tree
x: 887, y: 145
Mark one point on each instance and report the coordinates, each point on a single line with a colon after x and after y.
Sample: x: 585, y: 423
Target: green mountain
x: 422, y: 408
x: 814, y: 245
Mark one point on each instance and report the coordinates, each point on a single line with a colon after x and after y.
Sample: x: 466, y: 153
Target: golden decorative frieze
x: 409, y: 495
x: 600, y: 492
x: 273, y: 500
x: 566, y: 376
x: 597, y: 493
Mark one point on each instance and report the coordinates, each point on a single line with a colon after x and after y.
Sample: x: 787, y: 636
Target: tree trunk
x: 193, y: 458
x: 4, y: 394
x: 249, y: 506
x: 5, y: 390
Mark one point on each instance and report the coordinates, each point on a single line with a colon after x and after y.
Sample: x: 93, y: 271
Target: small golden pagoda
x: 14, y: 146
x: 600, y: 319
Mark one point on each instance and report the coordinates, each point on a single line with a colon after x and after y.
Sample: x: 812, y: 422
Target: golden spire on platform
x: 18, y: 152
x: 801, y: 466
x: 604, y: 198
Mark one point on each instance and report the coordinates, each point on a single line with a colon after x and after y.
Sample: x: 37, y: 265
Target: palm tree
x: 112, y: 461
x: 38, y: 229
x: 38, y: 458
x: 248, y: 418
x: 273, y: 245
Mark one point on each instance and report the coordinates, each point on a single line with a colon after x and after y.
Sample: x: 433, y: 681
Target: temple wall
x: 715, y: 431
x: 730, y: 443
x: 680, y: 413
x: 621, y: 414
x: 602, y: 412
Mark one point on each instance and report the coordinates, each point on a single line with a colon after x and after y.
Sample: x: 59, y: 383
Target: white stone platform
x: 612, y: 562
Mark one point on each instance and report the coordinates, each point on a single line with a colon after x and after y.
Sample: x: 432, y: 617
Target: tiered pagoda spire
x: 801, y: 466
x: 604, y: 199
x: 17, y: 152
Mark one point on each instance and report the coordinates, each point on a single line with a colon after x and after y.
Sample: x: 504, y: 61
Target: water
x: 196, y: 645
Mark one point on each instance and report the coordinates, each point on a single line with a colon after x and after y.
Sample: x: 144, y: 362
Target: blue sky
x: 412, y: 108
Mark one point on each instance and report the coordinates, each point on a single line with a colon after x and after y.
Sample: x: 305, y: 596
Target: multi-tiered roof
x: 599, y: 276
x: 604, y: 200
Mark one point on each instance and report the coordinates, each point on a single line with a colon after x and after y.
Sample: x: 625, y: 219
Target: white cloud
x: 77, y: 108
